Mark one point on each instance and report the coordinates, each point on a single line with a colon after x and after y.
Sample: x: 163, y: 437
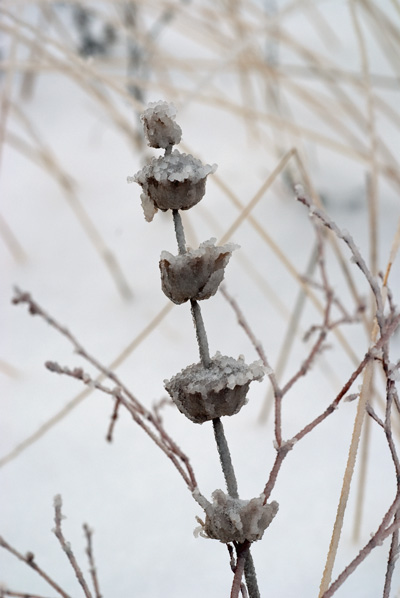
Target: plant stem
x: 251, y: 577
x: 242, y: 551
x: 225, y: 458
x: 179, y: 232
x: 195, y: 307
x: 222, y: 445
x: 201, y: 334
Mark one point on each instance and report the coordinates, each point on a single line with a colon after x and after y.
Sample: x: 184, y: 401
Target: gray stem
x: 179, y: 232
x: 251, y: 577
x: 222, y: 445
x: 225, y: 458
x: 232, y: 487
x: 200, y: 333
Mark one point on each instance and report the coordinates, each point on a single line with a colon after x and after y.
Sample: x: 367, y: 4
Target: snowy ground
x: 128, y: 492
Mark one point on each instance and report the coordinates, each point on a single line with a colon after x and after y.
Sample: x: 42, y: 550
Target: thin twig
x: 140, y: 414
x: 377, y: 539
x: 239, y: 569
x: 89, y: 552
x: 58, y: 516
x: 6, y: 592
x: 393, y: 556
x: 29, y: 559
x: 114, y: 417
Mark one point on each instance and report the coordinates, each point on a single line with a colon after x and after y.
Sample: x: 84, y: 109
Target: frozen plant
x: 174, y: 181
x: 203, y: 393
x: 233, y: 520
x: 159, y: 125
x: 218, y: 387
x: 195, y: 274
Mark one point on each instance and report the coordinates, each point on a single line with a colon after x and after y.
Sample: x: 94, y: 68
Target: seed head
x: 195, y: 274
x: 203, y: 394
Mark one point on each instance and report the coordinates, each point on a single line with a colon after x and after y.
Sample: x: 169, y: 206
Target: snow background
x: 127, y: 492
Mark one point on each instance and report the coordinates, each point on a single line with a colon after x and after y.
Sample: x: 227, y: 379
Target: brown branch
x: 377, y: 539
x: 356, y: 255
x: 58, y: 516
x: 4, y: 592
x: 283, y: 450
x: 89, y: 552
x: 242, y: 551
x: 393, y: 555
x: 163, y: 440
x: 138, y: 412
x: 114, y: 417
x: 29, y: 559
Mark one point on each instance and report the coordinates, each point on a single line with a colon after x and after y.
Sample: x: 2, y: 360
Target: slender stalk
x: 179, y: 232
x: 251, y: 577
x: 201, y: 334
x: 220, y: 439
x: 29, y: 559
x: 225, y: 458
x: 242, y: 552
x: 393, y: 554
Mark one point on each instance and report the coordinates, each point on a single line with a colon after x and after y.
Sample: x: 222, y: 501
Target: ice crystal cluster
x: 204, y: 393
x: 195, y: 274
x: 159, y: 125
x: 234, y: 520
x: 175, y: 181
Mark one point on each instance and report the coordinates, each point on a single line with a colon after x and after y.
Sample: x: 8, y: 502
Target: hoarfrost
x: 195, y: 274
x: 234, y: 520
x: 159, y: 125
x: 173, y: 182
x: 203, y: 393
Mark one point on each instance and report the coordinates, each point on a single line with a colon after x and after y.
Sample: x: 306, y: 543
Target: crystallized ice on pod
x: 195, y: 274
x: 159, y: 125
x: 172, y: 182
x: 233, y: 520
x: 204, y: 393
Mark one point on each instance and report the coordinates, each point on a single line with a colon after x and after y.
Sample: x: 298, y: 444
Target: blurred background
x: 276, y: 93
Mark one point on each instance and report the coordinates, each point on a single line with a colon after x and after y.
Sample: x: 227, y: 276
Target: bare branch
x: 29, y: 559
x: 58, y: 516
x: 89, y: 552
x: 142, y: 416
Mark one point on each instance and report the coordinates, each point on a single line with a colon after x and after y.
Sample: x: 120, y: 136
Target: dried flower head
x: 234, y: 520
x: 204, y: 393
x: 172, y: 182
x: 159, y: 125
x: 195, y: 274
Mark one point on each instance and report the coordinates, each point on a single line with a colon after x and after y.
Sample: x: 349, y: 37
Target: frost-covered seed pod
x: 195, y: 274
x: 234, y: 520
x: 202, y: 394
x: 172, y: 182
x: 159, y: 125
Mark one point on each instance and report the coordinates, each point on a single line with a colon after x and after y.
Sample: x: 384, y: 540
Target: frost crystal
x: 195, y: 274
x: 234, y: 520
x: 203, y: 394
x: 172, y: 182
x: 159, y: 125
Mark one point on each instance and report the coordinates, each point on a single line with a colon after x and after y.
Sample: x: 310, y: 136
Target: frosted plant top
x: 174, y: 167
x: 159, y: 125
x: 174, y: 181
